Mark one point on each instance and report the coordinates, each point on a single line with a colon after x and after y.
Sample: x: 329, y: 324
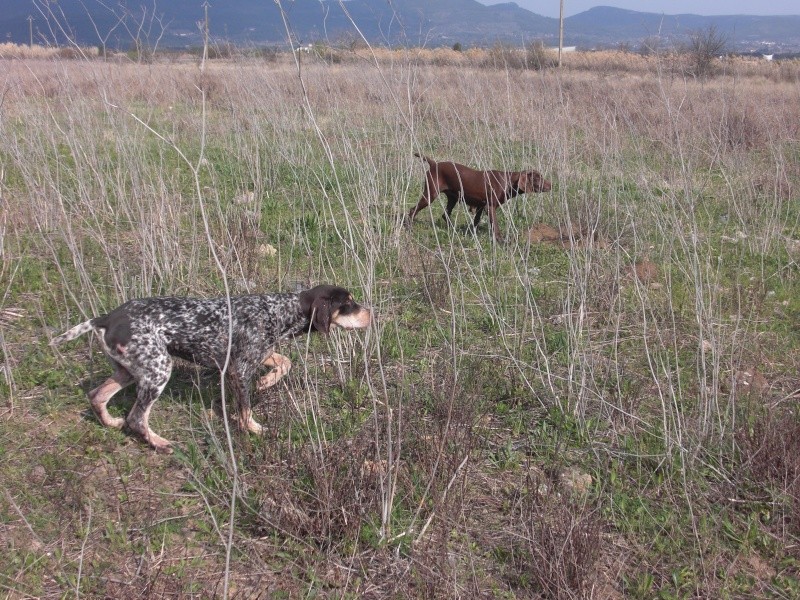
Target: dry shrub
x: 334, y: 492
x: 321, y: 494
x: 504, y: 56
x: 11, y: 50
x: 606, y: 60
x: 771, y: 454
x: 329, y: 54
x: 741, y: 127
x: 423, y: 266
x: 537, y: 56
x: 555, y: 539
x: 444, y: 412
x: 210, y: 84
x: 445, y: 57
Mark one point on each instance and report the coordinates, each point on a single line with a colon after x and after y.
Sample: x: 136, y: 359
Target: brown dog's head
x: 327, y: 305
x: 531, y: 181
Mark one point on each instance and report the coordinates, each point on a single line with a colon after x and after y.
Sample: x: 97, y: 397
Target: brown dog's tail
x: 425, y: 158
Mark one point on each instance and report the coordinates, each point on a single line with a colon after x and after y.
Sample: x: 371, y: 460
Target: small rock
x: 38, y: 474
x: 374, y: 468
x: 576, y: 481
x: 267, y: 250
x: 750, y: 381
x: 245, y: 198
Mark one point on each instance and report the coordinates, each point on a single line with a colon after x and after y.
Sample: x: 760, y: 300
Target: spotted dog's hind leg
x: 100, y: 396
x: 149, y: 386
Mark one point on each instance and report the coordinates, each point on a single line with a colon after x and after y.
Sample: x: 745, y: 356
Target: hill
x: 402, y: 22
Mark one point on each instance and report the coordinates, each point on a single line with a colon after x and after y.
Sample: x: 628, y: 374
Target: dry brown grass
x: 9, y: 50
x: 600, y: 62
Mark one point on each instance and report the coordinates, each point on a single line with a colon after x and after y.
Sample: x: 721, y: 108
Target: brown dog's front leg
x: 478, y: 213
x: 424, y: 201
x: 496, y: 236
x: 429, y: 194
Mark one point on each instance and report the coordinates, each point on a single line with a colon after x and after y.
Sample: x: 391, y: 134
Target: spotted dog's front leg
x: 240, y: 380
x: 281, y: 364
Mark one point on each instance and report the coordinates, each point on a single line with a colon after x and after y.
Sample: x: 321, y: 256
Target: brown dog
x: 478, y: 189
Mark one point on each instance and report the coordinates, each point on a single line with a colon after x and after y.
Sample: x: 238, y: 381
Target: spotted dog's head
x: 327, y: 305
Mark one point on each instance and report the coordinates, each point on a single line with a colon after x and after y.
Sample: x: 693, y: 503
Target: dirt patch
x: 645, y: 271
x: 749, y: 381
x: 566, y: 236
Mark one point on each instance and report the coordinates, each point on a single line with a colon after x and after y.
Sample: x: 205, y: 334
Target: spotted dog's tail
x: 73, y: 333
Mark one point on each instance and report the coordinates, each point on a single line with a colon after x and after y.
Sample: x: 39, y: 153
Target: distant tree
x: 457, y: 47
x: 703, y: 49
x: 650, y: 45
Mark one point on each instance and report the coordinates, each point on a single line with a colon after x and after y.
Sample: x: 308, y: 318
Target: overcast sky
x: 549, y: 8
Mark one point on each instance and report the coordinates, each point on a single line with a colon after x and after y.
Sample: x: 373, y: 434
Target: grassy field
x: 612, y: 415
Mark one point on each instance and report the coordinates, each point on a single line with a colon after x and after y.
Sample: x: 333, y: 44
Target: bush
x: 534, y: 56
x: 704, y: 46
x: 221, y: 50
x: 650, y: 45
x: 770, y: 449
x: 538, y: 57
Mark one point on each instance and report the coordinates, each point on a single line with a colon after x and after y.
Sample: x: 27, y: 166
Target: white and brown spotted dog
x: 141, y: 337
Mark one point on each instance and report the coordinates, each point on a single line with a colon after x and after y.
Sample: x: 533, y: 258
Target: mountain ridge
x: 401, y: 22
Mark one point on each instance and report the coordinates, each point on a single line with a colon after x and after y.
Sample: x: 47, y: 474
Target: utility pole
x: 560, y: 31
x: 205, y: 35
x: 30, y: 31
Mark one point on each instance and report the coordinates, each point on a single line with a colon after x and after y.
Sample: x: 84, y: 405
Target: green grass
x: 427, y: 458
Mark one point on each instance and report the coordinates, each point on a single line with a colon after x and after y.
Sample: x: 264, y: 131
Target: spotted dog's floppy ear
x: 327, y: 305
x: 316, y: 306
x: 321, y: 314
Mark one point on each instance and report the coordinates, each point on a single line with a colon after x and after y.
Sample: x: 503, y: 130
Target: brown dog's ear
x: 321, y: 315
x: 532, y: 181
